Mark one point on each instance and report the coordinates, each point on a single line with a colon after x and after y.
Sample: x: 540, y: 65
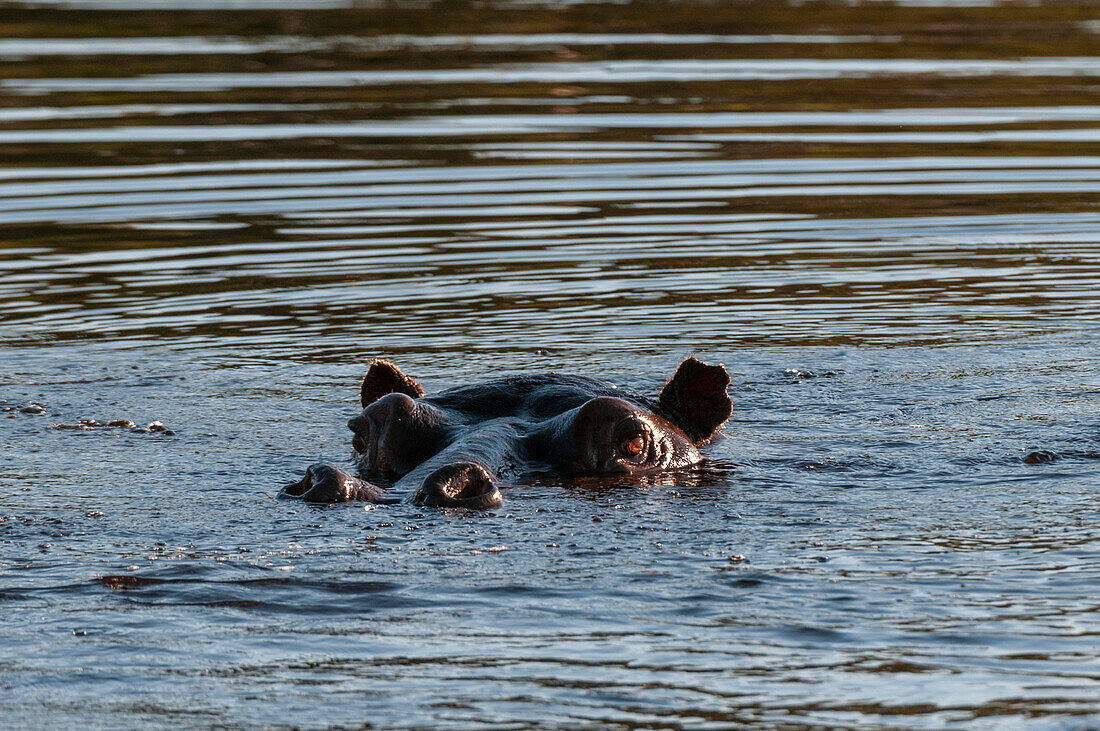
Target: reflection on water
x: 619, y: 72
x: 26, y: 48
x: 881, y: 217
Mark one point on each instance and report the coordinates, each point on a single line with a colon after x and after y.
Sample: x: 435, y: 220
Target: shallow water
x: 882, y: 219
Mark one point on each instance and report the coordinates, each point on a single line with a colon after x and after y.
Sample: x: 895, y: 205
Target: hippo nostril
x: 459, y: 485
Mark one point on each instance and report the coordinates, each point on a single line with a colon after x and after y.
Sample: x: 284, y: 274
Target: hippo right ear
x: 695, y: 399
x: 384, y: 377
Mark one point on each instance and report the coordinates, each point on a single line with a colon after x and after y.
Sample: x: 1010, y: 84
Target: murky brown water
x: 882, y: 218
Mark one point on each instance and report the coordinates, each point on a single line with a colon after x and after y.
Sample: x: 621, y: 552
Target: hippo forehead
x: 535, y: 397
x: 613, y: 410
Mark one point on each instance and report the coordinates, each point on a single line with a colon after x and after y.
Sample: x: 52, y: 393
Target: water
x: 883, y: 219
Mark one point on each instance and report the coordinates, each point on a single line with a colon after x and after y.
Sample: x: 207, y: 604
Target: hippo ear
x: 384, y: 377
x: 695, y: 399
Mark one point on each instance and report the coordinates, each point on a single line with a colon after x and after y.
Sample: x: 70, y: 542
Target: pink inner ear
x: 382, y: 378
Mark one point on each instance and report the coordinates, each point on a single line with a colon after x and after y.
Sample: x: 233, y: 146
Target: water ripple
x: 883, y: 221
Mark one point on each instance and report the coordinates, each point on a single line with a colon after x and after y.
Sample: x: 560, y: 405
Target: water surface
x: 881, y: 218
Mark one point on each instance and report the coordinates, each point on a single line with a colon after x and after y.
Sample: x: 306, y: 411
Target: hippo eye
x: 634, y: 446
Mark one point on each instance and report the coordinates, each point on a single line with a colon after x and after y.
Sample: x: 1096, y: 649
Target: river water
x: 882, y: 218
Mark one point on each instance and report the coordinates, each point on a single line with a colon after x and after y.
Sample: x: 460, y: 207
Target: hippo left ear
x: 382, y: 378
x: 695, y: 399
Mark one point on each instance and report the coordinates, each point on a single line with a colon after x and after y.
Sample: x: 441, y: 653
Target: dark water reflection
x: 882, y: 218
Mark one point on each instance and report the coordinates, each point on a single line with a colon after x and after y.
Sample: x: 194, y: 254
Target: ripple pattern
x: 882, y: 217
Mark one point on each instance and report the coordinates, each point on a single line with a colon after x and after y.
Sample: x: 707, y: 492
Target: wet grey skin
x: 453, y: 449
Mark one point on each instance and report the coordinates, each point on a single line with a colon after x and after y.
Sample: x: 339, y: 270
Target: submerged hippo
x: 451, y: 449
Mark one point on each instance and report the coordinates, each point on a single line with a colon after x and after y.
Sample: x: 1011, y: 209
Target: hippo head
x: 571, y: 424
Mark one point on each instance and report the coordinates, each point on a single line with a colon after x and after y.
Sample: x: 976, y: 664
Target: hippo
x: 455, y: 448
